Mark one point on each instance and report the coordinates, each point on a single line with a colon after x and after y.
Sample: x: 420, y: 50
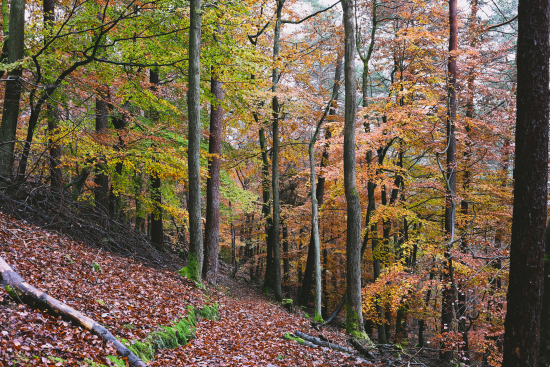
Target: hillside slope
x: 132, y: 300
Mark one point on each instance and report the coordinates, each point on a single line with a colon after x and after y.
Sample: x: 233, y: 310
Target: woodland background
x: 100, y: 92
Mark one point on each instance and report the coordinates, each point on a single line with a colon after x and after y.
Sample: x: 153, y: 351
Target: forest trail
x: 132, y: 300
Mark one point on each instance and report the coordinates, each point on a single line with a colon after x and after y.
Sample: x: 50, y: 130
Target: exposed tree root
x: 38, y: 299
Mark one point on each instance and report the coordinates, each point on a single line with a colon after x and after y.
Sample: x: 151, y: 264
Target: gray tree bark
x: 193, y: 154
x: 211, y: 246
x: 354, y: 314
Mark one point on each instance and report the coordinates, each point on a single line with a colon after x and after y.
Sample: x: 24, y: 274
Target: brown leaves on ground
x: 132, y: 300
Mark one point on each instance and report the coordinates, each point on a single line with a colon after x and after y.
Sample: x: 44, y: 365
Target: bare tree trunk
x: 157, y: 229
x: 101, y: 191
x: 212, y: 226
x: 320, y: 191
x: 448, y: 291
x: 525, y: 300
x: 276, y: 266
x: 12, y: 94
x: 354, y: 313
x: 194, y: 150
x: 56, y: 175
x: 233, y: 242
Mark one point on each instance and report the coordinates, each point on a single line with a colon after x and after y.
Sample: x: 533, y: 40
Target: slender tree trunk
x: 194, y: 150
x: 101, y: 191
x: 157, y: 229
x: 12, y: 94
x: 275, y: 161
x: 56, y: 175
x: 266, y: 210
x: 354, y: 314
x: 286, y: 260
x: 213, y: 184
x: 320, y: 191
x: 448, y: 291
x: 522, y: 324
x: 233, y: 241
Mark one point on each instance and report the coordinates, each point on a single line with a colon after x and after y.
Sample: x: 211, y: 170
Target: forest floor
x: 132, y: 300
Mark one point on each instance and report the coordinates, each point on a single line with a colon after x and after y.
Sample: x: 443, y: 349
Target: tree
x: 193, y: 153
x: 354, y: 313
x: 10, y: 112
x: 450, y: 179
x: 213, y: 182
x: 522, y: 324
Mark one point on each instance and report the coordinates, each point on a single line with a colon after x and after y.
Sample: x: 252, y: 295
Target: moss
x: 12, y: 292
x: 318, y: 318
x: 287, y: 301
x: 306, y: 315
x: 117, y: 361
x: 97, y: 267
x: 265, y: 290
x: 191, y: 271
x: 292, y: 337
x: 170, y: 337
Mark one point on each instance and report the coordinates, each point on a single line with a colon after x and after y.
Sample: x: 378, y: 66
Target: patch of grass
x: 209, y: 312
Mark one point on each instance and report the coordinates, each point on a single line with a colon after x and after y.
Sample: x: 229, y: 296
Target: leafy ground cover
x: 134, y: 300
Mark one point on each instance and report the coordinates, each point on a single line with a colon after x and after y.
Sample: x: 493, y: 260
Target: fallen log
x: 323, y: 343
x: 38, y: 299
x: 361, y: 349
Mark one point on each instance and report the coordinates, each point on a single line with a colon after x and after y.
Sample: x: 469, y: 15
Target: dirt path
x: 249, y: 333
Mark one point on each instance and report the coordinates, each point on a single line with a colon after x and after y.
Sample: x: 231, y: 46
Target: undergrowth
x: 171, y: 337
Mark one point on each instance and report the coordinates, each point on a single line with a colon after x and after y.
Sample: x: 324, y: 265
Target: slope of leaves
x: 133, y: 300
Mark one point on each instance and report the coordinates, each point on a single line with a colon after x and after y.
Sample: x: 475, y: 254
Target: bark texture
x: 212, y: 235
x: 448, y: 292
x: 12, y: 96
x: 157, y: 229
x: 354, y: 315
x: 193, y: 154
x: 522, y: 324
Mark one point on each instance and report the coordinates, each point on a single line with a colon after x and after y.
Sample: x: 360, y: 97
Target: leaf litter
x: 132, y: 300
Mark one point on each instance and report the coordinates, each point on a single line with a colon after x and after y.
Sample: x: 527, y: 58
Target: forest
x: 372, y: 172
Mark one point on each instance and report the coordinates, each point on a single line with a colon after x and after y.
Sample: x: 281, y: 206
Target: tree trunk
x: 56, y: 175
x: 450, y: 177
x: 213, y: 183
x: 276, y: 266
x: 354, y: 314
x: 286, y: 261
x: 194, y: 150
x: 12, y: 94
x: 233, y: 242
x: 38, y: 299
x: 266, y: 210
x: 305, y: 292
x: 101, y: 191
x: 522, y: 324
